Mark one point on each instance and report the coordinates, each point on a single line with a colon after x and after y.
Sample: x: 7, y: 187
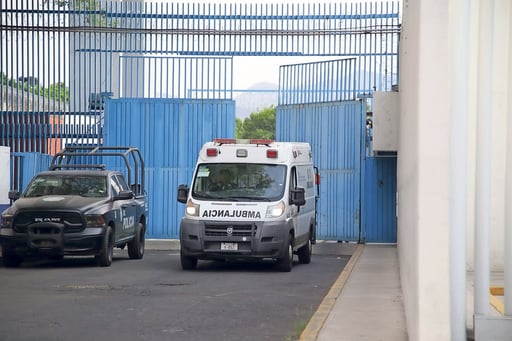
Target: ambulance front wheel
x: 285, y: 263
x: 305, y: 252
x: 187, y: 262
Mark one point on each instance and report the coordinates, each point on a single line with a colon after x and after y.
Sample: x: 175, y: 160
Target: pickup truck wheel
x: 304, y: 253
x: 136, y: 246
x: 107, y: 249
x: 187, y: 262
x: 285, y: 263
x: 10, y: 260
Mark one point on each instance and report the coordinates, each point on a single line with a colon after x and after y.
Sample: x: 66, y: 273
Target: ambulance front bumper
x: 236, y: 240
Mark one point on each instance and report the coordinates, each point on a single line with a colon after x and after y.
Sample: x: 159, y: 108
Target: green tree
x: 94, y: 7
x: 239, y: 127
x: 56, y: 91
x: 259, y: 125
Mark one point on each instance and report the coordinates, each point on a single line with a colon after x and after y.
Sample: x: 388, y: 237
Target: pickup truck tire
x: 10, y: 260
x: 285, y: 263
x: 304, y: 252
x: 136, y: 246
x: 187, y: 262
x: 107, y: 249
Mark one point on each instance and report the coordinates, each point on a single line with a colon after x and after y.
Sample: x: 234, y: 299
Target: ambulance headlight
x: 275, y: 211
x: 192, y: 209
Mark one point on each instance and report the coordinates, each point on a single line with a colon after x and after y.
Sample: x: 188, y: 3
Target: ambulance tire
x: 285, y: 263
x: 187, y: 262
x: 304, y: 252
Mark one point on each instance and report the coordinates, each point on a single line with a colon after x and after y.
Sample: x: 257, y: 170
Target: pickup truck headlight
x: 95, y: 220
x: 275, y: 211
x: 192, y: 209
x: 7, y: 220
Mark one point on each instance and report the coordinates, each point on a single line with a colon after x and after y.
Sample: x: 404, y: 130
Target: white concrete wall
x: 427, y: 89
x: 423, y: 187
x: 5, y: 178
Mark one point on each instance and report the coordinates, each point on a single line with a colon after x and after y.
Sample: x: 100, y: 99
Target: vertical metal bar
x: 10, y: 81
x: 483, y: 159
x: 382, y: 51
x: 53, y: 100
x: 459, y: 37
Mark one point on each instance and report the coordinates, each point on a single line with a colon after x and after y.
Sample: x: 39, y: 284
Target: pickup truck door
x: 125, y: 227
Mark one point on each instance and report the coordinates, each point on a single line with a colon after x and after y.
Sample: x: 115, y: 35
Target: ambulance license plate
x: 229, y: 246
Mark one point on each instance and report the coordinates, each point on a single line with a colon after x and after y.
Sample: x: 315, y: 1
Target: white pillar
x: 460, y: 30
x: 508, y: 180
x: 483, y: 158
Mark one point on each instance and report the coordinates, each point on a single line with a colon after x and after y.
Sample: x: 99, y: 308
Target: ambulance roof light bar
x: 221, y: 141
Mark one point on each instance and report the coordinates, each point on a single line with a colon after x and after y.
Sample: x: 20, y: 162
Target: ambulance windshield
x: 239, y: 182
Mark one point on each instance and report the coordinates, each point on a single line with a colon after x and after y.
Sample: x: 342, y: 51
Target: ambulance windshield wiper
x: 252, y: 198
x: 204, y: 195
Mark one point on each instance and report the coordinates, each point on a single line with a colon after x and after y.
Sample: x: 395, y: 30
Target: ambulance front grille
x: 248, y: 230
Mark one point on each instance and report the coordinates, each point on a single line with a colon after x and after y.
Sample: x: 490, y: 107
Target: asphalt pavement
x: 364, y: 303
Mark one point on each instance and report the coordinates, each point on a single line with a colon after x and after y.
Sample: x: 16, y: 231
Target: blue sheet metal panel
x: 169, y: 133
x: 334, y: 131
x: 28, y: 165
x: 379, y: 200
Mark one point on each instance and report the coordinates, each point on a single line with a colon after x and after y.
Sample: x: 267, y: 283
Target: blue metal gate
x: 169, y: 133
x: 334, y: 131
x: 357, y: 191
x: 379, y: 222
x: 63, y: 61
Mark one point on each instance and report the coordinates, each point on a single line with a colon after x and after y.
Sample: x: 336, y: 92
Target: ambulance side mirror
x: 182, y: 193
x: 298, y: 196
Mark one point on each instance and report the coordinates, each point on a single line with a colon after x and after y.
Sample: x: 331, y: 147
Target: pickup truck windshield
x: 239, y: 182
x: 58, y: 184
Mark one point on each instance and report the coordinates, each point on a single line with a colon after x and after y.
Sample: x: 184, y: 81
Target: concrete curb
x: 162, y: 244
x: 315, y: 324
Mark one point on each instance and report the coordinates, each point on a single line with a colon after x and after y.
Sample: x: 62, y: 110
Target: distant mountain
x: 257, y: 97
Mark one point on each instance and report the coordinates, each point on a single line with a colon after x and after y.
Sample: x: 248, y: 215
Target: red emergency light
x: 224, y: 141
x: 261, y: 141
x: 212, y: 152
x: 272, y: 153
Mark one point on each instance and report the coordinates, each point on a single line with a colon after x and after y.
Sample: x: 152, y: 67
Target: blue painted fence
x: 333, y: 130
x: 124, y: 72
x: 169, y: 133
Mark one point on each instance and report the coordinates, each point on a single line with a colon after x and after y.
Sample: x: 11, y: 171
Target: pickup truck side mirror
x: 14, y: 195
x: 298, y: 196
x: 124, y: 195
x: 182, y: 193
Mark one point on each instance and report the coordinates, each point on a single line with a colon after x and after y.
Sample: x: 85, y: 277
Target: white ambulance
x: 250, y: 199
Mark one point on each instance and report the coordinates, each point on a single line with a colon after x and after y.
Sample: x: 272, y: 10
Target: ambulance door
x: 299, y: 218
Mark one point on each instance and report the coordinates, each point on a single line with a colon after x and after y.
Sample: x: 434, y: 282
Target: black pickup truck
x: 78, y: 208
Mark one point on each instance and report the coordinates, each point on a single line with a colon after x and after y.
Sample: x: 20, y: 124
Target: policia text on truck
x: 250, y: 199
